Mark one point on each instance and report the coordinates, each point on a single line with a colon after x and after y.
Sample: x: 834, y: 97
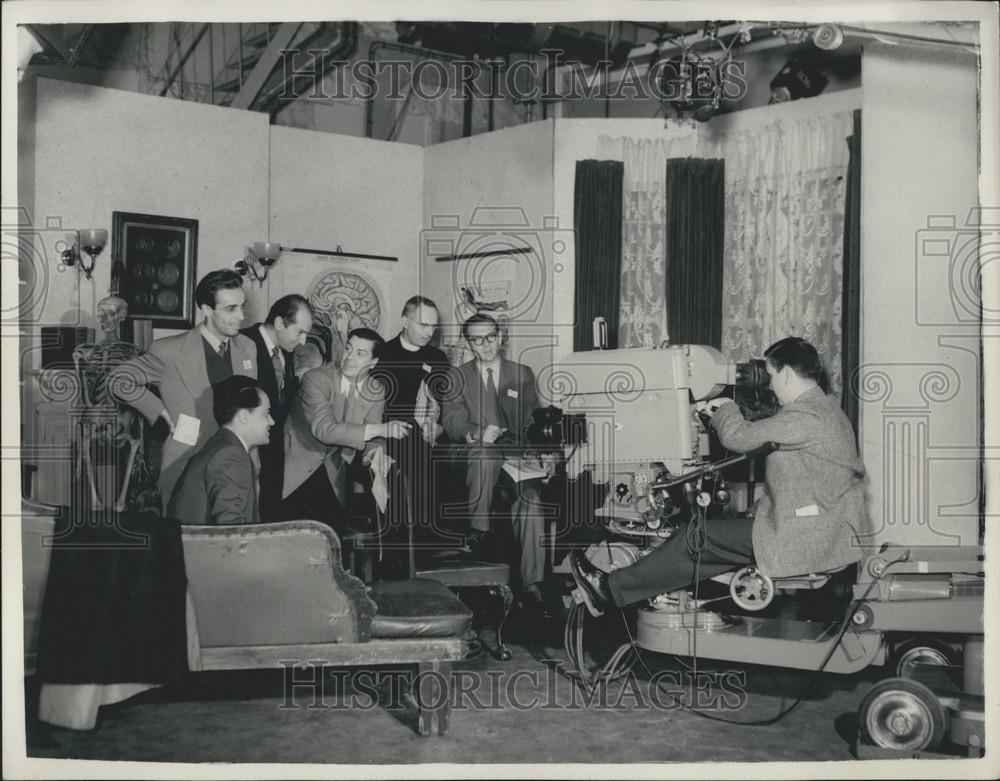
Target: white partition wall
x: 329, y: 191
x: 492, y: 193
x: 920, y: 339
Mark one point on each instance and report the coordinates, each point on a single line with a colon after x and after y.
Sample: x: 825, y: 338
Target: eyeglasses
x: 479, y: 341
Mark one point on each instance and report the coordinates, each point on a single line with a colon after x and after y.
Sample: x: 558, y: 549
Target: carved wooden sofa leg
x: 433, y: 696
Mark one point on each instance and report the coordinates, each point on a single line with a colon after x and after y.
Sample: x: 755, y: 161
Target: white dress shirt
x: 212, y: 339
x: 270, y: 345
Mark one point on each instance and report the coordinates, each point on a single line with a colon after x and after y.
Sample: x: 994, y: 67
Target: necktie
x: 491, y: 412
x: 279, y: 372
x: 223, y: 348
x: 350, y: 413
x: 255, y: 473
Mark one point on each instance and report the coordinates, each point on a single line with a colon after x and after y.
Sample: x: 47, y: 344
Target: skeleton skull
x: 111, y: 311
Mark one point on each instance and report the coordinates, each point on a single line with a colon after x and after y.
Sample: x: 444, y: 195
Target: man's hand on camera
x: 711, y: 406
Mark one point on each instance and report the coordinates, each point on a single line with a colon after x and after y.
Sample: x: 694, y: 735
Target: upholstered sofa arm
x: 273, y: 584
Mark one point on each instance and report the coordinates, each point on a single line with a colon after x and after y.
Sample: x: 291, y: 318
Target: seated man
x: 490, y: 402
x: 338, y: 412
x: 809, y: 520
x: 220, y: 484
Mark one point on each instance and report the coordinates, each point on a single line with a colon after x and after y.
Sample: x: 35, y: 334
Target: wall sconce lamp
x: 258, y: 260
x: 92, y: 242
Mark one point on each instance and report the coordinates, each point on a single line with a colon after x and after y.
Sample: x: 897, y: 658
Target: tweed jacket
x: 462, y: 411
x: 813, y: 516
x: 176, y: 366
x: 218, y: 484
x: 324, y: 426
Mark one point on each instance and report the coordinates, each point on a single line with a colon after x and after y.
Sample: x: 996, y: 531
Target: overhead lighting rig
x: 695, y: 82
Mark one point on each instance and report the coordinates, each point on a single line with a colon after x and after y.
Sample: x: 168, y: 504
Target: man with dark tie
x: 337, y: 413
x: 287, y: 324
x: 219, y: 484
x: 490, y: 403
x: 184, y: 368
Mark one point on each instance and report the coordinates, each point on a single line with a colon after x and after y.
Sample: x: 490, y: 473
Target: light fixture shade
x: 94, y: 239
x: 267, y: 250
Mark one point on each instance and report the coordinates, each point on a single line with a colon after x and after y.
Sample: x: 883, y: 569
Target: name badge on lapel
x: 248, y: 364
x: 512, y: 393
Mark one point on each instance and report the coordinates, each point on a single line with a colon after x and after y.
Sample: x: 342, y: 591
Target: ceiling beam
x: 258, y: 76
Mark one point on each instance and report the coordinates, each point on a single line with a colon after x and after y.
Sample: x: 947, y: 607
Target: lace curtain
x: 643, y: 314
x: 783, y: 253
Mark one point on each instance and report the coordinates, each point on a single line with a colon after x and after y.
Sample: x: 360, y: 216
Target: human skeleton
x: 104, y: 422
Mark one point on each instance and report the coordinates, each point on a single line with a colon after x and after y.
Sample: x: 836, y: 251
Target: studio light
x: 92, y: 241
x: 258, y: 260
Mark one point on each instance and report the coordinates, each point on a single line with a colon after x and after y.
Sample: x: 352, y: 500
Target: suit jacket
x: 176, y: 366
x: 325, y: 425
x: 218, y: 484
x: 272, y: 455
x: 813, y: 516
x: 462, y: 411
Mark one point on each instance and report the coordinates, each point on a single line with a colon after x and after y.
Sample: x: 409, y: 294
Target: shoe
x: 476, y: 542
x: 592, y: 583
x: 533, y: 602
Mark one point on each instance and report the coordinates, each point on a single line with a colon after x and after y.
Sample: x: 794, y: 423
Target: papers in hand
x: 186, y: 430
x: 380, y: 471
x: 524, y: 470
x: 426, y: 411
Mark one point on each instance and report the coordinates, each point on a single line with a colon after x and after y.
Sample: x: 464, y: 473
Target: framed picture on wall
x: 153, y: 267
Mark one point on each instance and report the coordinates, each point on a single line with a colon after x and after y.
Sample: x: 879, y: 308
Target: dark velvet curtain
x: 695, y: 208
x: 597, y: 219
x: 851, y: 309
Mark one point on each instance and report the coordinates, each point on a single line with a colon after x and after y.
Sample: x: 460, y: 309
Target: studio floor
x: 521, y: 711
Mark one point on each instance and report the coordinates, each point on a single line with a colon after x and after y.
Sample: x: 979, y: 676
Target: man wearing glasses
x: 490, y: 406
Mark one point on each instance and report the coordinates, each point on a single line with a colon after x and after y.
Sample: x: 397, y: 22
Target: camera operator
x: 811, y: 519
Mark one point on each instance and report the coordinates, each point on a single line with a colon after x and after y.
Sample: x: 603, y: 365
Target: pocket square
x: 807, y: 511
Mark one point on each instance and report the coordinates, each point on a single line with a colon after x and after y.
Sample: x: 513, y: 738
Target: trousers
x: 671, y: 567
x: 528, y: 518
x: 315, y: 500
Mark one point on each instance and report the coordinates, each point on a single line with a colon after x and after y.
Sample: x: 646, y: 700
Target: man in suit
x: 184, y: 368
x: 219, y: 484
x: 337, y: 413
x: 812, y: 518
x: 490, y: 402
x: 286, y: 327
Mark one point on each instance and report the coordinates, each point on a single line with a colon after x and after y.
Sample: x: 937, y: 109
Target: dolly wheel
x: 902, y: 714
x: 915, y: 651
x: 751, y: 589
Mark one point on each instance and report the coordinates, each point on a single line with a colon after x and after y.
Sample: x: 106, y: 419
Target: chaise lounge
x: 267, y: 595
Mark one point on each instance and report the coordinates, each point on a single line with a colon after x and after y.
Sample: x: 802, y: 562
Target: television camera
x: 638, y: 427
